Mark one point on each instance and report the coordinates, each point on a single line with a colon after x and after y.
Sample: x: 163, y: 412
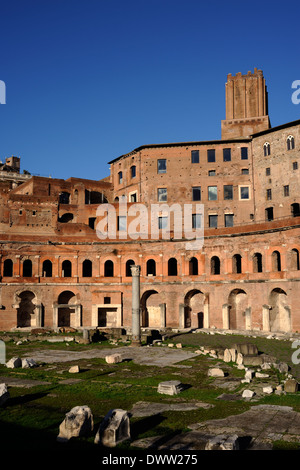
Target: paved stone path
x: 161, y: 357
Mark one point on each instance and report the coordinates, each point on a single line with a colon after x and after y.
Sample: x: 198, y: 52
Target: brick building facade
x: 57, y: 271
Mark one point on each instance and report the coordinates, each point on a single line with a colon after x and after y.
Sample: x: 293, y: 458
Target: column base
x: 135, y: 343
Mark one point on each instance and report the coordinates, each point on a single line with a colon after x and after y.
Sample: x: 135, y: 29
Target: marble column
x: 136, y: 329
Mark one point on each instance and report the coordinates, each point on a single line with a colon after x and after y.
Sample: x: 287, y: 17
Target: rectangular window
x: 269, y: 194
x: 195, y: 156
x: 245, y: 171
x: 269, y: 213
x: 212, y: 193
x: 162, y: 222
x: 133, y: 197
x: 228, y: 220
x: 107, y: 300
x: 197, y: 193
x: 122, y: 223
x: 228, y: 191
x: 162, y: 165
x: 212, y: 173
x: 162, y: 194
x: 196, y: 220
x: 268, y: 171
x: 244, y: 153
x: 211, y: 155
x: 213, y: 221
x: 120, y: 175
x: 286, y: 190
x: 295, y: 165
x: 226, y: 155
x: 133, y: 171
x: 244, y: 192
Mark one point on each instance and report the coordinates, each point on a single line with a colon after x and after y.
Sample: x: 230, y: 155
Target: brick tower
x: 246, y: 105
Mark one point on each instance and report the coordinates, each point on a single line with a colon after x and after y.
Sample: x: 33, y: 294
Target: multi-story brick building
x: 56, y: 270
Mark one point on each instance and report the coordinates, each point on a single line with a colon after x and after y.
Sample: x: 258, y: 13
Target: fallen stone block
x: 28, y: 363
x: 170, y: 387
x: 246, y: 349
x: 113, y: 358
x: 115, y: 428
x: 259, y: 375
x: 268, y: 390
x: 249, y: 374
x: 248, y: 394
x: 291, y: 386
x: 74, y: 370
x: 14, y: 362
x: 215, y: 372
x: 223, y: 442
x: 252, y: 360
x: 227, y: 356
x: 4, y: 394
x: 78, y: 422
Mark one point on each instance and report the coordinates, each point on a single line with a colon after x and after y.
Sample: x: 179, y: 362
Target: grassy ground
x: 31, y: 417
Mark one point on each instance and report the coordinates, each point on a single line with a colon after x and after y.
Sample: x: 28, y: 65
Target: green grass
x: 33, y: 415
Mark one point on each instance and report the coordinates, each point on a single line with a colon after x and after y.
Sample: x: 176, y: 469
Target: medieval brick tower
x: 246, y: 105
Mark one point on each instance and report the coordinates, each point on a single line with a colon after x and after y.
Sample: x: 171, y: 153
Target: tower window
x: 226, y: 155
x: 244, y: 153
x: 195, y: 156
x: 267, y: 149
x: 290, y: 142
x: 162, y: 165
x: 211, y: 155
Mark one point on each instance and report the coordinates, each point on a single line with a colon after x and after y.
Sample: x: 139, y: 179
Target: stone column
x: 266, y: 317
x: 181, y: 315
x: 162, y: 315
x: 225, y: 314
x: 206, y: 314
x: 136, y: 329
x: 248, y: 323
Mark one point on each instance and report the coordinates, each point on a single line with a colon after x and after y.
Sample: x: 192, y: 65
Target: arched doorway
x: 195, y: 305
x: 238, y: 310
x: 152, y: 310
x: 280, y: 314
x: 67, y: 306
x: 25, y: 310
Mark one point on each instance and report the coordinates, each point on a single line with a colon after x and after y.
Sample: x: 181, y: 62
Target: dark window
x: 286, y: 190
x: 228, y: 191
x: 244, y: 192
x: 211, y: 155
x: 295, y: 209
x: 27, y: 268
x: 294, y: 260
x: 162, y: 165
x: 269, y: 214
x: 268, y: 171
x: 213, y: 221
x: 226, y: 155
x: 8, y: 268
x: 215, y: 265
x: 162, y: 222
x: 212, y: 193
x: 196, y: 193
x: 87, y: 268
x: 133, y: 171
x: 269, y: 194
x: 92, y: 221
x: 107, y: 300
x: 64, y: 198
x: 47, y: 268
x: 108, y: 268
x: 195, y: 156
x: 228, y: 220
x: 162, y: 194
x: 244, y: 153
x: 196, y: 220
x: 290, y: 141
x: 172, y: 267
x: 212, y: 173
x: 245, y: 171
x: 129, y: 263
x: 151, y: 267
x: 257, y: 263
x: 66, y: 268
x: 133, y: 197
x: 193, y: 267
x: 267, y: 149
x: 295, y: 165
x: 120, y: 176
x: 122, y: 223
x: 237, y: 264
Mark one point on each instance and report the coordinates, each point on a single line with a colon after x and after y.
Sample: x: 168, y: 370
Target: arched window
x: 109, y: 268
x: 129, y: 263
x: 47, y: 268
x: 267, y: 149
x: 8, y: 268
x: 133, y: 171
x: 257, y: 263
x: 27, y: 268
x: 215, y: 265
x: 237, y: 264
x: 294, y: 260
x: 151, y: 267
x: 172, y: 267
x: 87, y: 268
x: 120, y: 177
x: 290, y: 142
x: 65, y: 218
x: 276, y: 261
x: 193, y: 266
x: 66, y: 268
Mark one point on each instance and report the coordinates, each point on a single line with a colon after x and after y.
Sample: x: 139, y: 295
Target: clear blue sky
x: 88, y: 81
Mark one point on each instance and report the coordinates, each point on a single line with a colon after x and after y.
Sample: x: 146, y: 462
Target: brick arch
x: 195, y: 304
x: 238, y: 303
x: 280, y: 312
x: 151, y: 308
